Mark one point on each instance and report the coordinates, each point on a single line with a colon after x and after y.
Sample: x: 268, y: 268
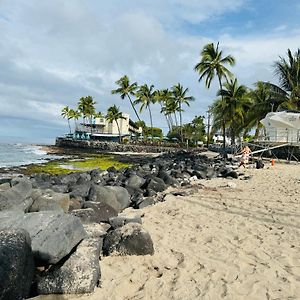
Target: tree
x: 181, y: 98
x: 288, y: 72
x: 140, y: 124
x: 65, y: 112
x: 126, y: 89
x: 74, y: 114
x: 157, y: 132
x: 163, y: 97
x: 212, y: 64
x: 195, y: 131
x: 114, y: 114
x: 265, y: 97
x: 234, y: 103
x: 145, y: 96
x: 169, y: 109
x: 86, y: 106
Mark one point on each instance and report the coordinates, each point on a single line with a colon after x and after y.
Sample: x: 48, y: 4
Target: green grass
x: 87, y: 163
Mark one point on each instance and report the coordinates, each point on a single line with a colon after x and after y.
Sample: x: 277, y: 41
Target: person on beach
x: 246, y: 151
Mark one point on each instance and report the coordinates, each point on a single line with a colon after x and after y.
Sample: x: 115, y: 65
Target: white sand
x: 216, y: 243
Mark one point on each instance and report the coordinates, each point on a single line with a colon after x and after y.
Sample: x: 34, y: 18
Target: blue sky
x: 54, y: 52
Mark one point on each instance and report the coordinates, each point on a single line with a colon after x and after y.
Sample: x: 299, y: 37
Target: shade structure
x: 283, y: 126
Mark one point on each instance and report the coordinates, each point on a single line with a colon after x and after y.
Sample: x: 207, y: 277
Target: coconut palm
x: 181, y: 98
x: 126, y: 89
x: 163, y: 97
x: 145, y: 96
x: 65, y: 112
x: 81, y: 108
x: 170, y: 108
x: 86, y: 106
x: 234, y: 103
x: 288, y: 72
x: 265, y: 97
x: 212, y: 64
x: 114, y: 114
x: 74, y: 114
x: 98, y: 114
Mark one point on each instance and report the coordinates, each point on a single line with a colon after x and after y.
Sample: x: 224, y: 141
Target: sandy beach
x: 217, y: 239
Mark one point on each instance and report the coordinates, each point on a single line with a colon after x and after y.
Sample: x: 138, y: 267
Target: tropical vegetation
x: 236, y: 111
x: 213, y: 64
x: 126, y: 89
x: 114, y: 115
x: 144, y: 98
x: 229, y: 110
x: 181, y: 98
x: 65, y: 113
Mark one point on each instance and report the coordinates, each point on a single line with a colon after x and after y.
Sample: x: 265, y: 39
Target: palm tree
x: 145, y: 96
x: 65, y: 112
x: 212, y: 64
x: 81, y: 108
x: 114, y: 114
x: 234, y: 103
x: 170, y: 108
x: 288, y: 72
x: 86, y: 106
x: 265, y: 97
x: 181, y: 98
x: 163, y: 97
x: 126, y: 89
x: 74, y: 114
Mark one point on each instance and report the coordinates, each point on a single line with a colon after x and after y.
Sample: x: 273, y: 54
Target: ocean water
x: 17, y: 154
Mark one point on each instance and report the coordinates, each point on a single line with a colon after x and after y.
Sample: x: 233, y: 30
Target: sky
x: 54, y: 52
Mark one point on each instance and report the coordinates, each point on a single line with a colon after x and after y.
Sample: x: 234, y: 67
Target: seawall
x: 112, y: 146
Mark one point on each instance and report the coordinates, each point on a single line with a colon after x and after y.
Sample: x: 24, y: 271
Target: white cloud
x: 281, y: 28
x: 255, y: 54
x: 54, y: 52
x: 196, y: 11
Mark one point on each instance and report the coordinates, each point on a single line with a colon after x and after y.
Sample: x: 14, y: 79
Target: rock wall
x: 112, y: 147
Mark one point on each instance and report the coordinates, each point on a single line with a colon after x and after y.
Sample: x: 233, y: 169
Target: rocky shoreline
x: 61, y: 224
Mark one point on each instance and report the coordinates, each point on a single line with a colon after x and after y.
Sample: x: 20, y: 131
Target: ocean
x: 17, y: 154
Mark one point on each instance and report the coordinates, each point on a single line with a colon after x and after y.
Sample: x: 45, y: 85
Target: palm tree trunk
x: 180, y: 120
x: 224, y: 135
x: 257, y: 130
x: 223, y: 122
x: 69, y: 126
x: 171, y: 122
x: 76, y: 126
x: 134, y: 108
x: 91, y: 120
x: 168, y: 122
x: 150, y: 114
x: 232, y: 135
x: 176, y: 122
x: 120, y: 140
x: 165, y: 116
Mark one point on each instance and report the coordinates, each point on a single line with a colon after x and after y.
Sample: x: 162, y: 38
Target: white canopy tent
x: 283, y: 126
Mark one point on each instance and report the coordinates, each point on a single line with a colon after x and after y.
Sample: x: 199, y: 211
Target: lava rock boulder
x: 78, y: 274
x: 130, y: 239
x: 16, y: 264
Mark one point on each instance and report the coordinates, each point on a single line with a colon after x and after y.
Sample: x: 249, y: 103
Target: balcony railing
x: 281, y: 136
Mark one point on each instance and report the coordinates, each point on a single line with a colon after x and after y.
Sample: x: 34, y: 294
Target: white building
x: 104, y: 130
x: 282, y: 126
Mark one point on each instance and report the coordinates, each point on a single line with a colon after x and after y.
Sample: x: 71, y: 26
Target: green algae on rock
x: 87, y: 163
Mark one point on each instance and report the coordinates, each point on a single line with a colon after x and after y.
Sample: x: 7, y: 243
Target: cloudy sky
x: 53, y: 52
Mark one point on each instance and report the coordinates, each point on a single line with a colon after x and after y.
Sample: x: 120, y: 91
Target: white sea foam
x: 22, y: 154
x: 37, y: 150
